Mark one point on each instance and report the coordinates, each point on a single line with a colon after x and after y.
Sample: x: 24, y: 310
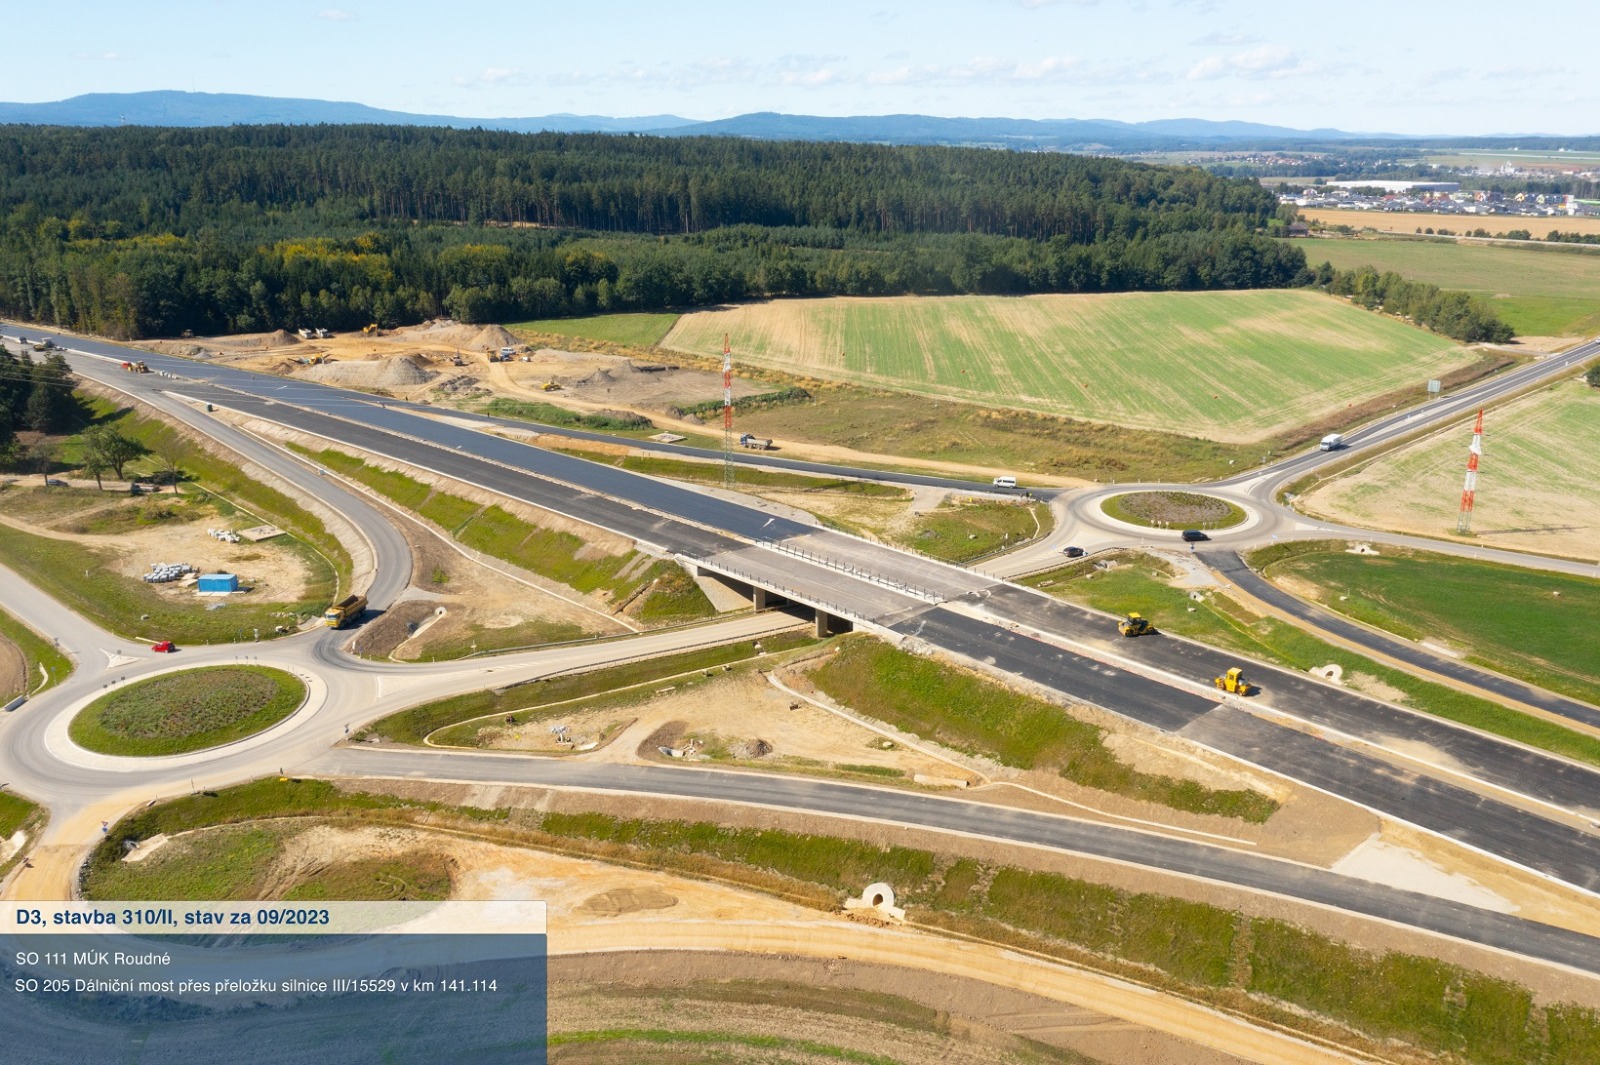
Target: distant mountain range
x: 171, y: 108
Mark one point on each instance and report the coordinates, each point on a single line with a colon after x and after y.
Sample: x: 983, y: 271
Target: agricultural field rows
x: 1231, y: 366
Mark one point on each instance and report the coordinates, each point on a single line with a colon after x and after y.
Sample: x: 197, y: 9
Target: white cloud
x: 993, y: 70
x: 100, y: 57
x: 334, y: 14
x: 1267, y: 61
x: 491, y: 76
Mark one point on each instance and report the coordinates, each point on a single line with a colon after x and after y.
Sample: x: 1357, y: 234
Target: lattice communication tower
x: 1469, y: 490
x: 727, y: 413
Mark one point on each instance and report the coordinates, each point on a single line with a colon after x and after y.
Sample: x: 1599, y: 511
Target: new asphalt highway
x: 1160, y: 682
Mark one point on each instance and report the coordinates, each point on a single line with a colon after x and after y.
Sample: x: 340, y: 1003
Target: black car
x: 1194, y: 536
x: 1072, y: 552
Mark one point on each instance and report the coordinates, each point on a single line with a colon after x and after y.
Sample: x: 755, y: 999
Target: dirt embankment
x: 13, y: 671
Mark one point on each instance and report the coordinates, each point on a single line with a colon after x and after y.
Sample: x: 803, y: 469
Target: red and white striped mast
x: 727, y: 413
x: 1470, y: 489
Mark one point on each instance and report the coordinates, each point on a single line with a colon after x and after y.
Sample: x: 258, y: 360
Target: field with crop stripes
x: 1229, y: 366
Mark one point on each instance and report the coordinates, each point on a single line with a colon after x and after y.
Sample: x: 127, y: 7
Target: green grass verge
x: 418, y: 876
x: 1538, y: 290
x: 36, y: 652
x: 550, y: 414
x: 971, y: 713
x: 550, y: 553
x: 634, y: 330
x: 962, y: 532
x: 1537, y: 626
x: 15, y: 811
x: 187, y: 711
x: 416, y: 724
x: 1220, y: 622
x: 1173, y: 510
x: 1262, y: 967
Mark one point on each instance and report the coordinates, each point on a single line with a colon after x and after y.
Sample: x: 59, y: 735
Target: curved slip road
x: 1131, y: 846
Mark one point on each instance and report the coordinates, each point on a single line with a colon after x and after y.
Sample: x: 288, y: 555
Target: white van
x: 1005, y: 482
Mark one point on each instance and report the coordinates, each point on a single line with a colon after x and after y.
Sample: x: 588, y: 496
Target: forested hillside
x: 141, y: 232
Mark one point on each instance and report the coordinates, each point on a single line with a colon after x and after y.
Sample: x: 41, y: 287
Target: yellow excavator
x: 1233, y: 682
x: 1135, y: 625
x: 370, y: 330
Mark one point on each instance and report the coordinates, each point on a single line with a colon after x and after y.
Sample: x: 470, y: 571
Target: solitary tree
x: 1593, y: 376
x: 94, y: 466
x: 111, y: 447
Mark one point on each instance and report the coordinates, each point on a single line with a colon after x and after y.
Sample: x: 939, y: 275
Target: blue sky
x: 1466, y: 67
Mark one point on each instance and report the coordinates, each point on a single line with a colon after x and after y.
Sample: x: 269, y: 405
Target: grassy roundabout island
x: 1173, y: 510
x: 188, y: 711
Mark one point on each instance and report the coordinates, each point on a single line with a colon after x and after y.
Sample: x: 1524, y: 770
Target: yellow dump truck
x: 345, y: 612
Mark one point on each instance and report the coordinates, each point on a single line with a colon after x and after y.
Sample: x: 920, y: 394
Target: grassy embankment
x: 1539, y: 290
x: 188, y: 711
x: 1264, y: 968
x: 36, y: 652
x: 17, y: 815
x: 450, y: 719
x: 1537, y: 626
x: 1140, y: 586
x: 547, y: 552
x: 971, y: 713
x: 78, y: 575
x: 964, y: 531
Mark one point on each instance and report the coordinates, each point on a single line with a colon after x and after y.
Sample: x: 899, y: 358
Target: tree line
x: 35, y: 395
x: 1459, y: 315
x: 141, y: 232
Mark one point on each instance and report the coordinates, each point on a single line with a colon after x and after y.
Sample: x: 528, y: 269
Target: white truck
x: 1332, y: 442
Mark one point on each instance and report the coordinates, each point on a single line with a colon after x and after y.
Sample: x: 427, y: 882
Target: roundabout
x: 1173, y: 510
x: 189, y: 710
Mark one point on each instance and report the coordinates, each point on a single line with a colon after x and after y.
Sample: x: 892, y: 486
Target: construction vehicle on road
x: 345, y: 611
x: 136, y: 367
x: 1135, y: 625
x: 755, y: 443
x: 1233, y: 682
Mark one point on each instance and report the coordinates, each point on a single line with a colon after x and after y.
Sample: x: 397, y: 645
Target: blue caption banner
x: 226, y: 983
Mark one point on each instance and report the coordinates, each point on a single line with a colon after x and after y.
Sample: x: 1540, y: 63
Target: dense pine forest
x: 151, y: 232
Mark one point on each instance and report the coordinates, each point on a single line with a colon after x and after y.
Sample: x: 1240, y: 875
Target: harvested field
x: 1531, y: 495
x: 1410, y: 222
x: 1201, y: 363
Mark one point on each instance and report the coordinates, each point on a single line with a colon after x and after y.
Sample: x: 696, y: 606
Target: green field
x: 634, y: 330
x: 1540, y: 627
x: 188, y: 711
x: 1539, y: 291
x: 1229, y: 366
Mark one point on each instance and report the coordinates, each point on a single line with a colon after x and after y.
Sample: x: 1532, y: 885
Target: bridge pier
x: 760, y: 598
x: 828, y: 625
